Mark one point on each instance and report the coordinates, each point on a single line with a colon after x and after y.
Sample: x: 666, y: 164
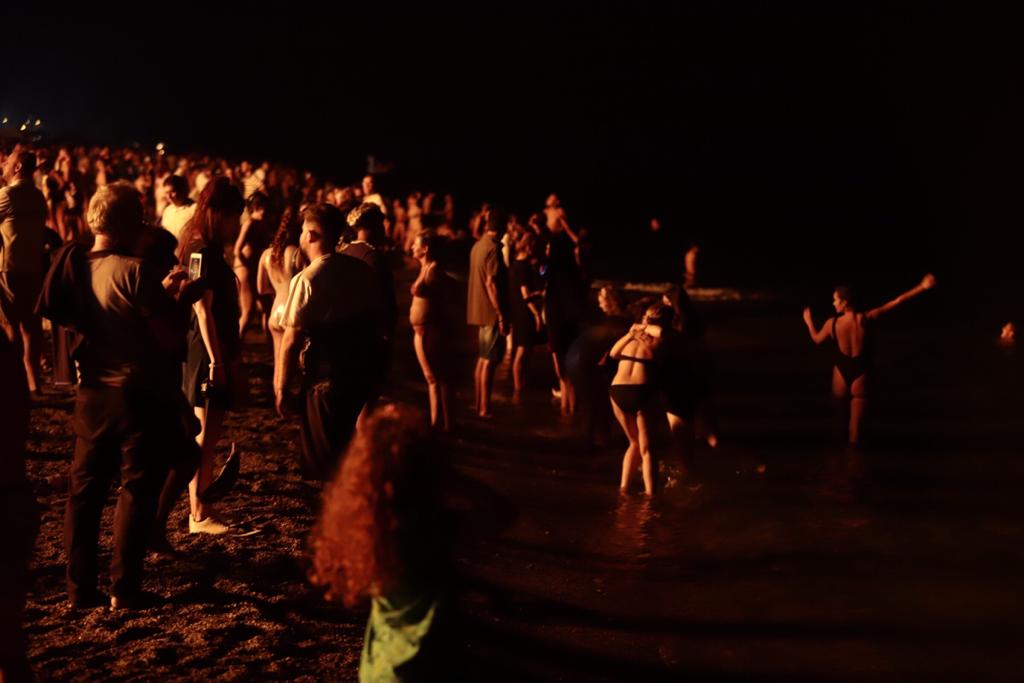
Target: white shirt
x: 376, y: 198
x: 332, y: 289
x: 175, y: 218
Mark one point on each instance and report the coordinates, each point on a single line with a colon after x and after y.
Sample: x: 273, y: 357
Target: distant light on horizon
x: 24, y: 127
x: 39, y: 122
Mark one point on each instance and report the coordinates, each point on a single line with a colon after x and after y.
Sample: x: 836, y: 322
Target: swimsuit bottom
x: 632, y: 398
x: 851, y: 367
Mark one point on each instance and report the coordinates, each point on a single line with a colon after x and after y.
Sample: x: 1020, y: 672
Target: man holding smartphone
x: 128, y: 408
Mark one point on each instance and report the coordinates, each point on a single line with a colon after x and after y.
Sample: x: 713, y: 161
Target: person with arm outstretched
x: 850, y: 328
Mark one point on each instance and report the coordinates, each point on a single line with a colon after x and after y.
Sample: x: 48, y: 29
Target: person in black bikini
x: 634, y: 393
x: 851, y: 331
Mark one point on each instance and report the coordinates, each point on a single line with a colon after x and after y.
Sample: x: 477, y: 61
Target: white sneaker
x: 210, y: 525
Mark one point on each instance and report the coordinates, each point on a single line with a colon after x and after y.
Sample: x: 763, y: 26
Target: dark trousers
x: 115, y: 433
x: 20, y: 515
x: 328, y: 420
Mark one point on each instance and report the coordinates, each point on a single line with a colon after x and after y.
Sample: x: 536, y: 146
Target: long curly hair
x: 361, y: 542
x: 287, y: 235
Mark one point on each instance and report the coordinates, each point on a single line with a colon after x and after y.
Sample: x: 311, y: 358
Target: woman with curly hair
x: 277, y: 266
x: 378, y: 537
x: 251, y: 240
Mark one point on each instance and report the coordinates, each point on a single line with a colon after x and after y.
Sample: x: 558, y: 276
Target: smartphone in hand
x: 195, y: 266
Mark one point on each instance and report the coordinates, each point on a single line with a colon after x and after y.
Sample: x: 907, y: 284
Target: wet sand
x: 783, y: 557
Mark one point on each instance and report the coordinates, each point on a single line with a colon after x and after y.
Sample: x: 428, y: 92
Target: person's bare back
x: 636, y: 354
x: 850, y: 333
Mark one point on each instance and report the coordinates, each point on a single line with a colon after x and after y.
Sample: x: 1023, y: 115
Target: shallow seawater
x: 781, y: 554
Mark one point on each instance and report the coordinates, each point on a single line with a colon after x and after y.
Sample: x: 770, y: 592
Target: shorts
x: 196, y: 372
x: 18, y: 295
x: 492, y: 343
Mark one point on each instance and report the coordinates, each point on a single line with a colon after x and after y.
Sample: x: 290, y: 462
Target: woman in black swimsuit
x: 634, y: 392
x: 851, y: 357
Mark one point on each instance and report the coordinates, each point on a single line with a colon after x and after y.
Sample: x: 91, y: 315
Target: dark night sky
x: 818, y: 140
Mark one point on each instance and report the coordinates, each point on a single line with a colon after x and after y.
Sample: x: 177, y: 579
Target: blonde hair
x: 115, y: 210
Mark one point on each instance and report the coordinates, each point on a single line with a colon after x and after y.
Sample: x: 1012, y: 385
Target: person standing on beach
x: 486, y: 306
x: 128, y: 408
x: 278, y: 264
x: 367, y: 220
x: 432, y: 295
x: 22, y: 223
x: 333, y: 316
x: 213, y: 379
x: 371, y: 195
x: 252, y: 239
x: 526, y: 294
x: 178, y: 212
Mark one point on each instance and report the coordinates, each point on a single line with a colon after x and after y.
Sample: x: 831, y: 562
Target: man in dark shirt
x: 486, y: 306
x: 367, y: 220
x: 128, y: 410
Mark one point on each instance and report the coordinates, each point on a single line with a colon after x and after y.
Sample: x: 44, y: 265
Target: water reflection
x: 842, y: 473
x: 634, y: 517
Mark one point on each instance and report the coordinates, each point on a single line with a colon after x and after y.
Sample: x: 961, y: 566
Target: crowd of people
x: 151, y: 269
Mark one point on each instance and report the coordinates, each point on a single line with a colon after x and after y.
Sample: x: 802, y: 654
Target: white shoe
x: 210, y: 525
